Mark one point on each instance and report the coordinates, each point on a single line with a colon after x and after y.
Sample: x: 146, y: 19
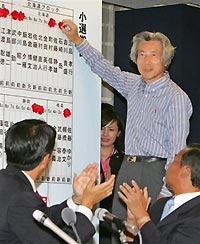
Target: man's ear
x: 186, y: 171
x: 45, y: 161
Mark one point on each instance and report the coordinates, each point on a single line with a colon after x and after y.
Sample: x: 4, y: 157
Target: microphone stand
x: 103, y: 215
x: 122, y: 237
x: 76, y: 233
x: 69, y: 217
x: 120, y: 230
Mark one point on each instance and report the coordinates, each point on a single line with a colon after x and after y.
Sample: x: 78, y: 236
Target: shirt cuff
x: 71, y: 204
x: 81, y: 47
x: 85, y: 211
x: 79, y: 208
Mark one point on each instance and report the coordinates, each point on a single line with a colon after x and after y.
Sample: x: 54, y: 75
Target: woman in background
x: 112, y: 153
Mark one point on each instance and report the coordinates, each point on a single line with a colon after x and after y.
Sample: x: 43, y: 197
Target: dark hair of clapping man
x: 27, y: 142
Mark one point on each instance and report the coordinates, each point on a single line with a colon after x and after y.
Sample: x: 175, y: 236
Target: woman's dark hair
x: 27, y: 142
x: 108, y: 114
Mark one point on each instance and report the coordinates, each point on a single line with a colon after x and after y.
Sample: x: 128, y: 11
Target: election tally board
x: 37, y: 74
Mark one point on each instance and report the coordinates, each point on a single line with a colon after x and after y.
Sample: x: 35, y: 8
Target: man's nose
x: 147, y: 59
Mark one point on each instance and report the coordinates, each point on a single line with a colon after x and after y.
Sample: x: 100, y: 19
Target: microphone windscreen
x: 38, y: 215
x: 68, y: 216
x: 100, y: 213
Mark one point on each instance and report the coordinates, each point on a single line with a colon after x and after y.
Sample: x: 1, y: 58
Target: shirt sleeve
x: 174, y: 232
x: 178, y: 123
x: 80, y: 208
x: 178, y: 117
x: 122, y: 81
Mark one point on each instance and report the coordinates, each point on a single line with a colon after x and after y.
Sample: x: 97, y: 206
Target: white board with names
x: 43, y: 77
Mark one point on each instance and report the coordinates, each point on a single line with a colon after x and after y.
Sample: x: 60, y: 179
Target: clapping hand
x: 94, y: 193
x: 137, y: 201
x: 80, y: 181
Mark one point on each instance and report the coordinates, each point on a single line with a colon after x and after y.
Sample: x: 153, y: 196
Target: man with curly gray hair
x: 168, y: 50
x: 158, y: 110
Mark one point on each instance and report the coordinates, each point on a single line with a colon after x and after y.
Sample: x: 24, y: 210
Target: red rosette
x: 18, y: 15
x: 60, y: 24
x: 4, y: 12
x: 51, y: 22
x: 15, y: 14
x: 40, y: 109
x: 66, y: 113
x: 34, y: 107
x: 21, y: 16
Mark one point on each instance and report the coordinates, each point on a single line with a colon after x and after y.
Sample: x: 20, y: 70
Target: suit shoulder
x: 12, y: 181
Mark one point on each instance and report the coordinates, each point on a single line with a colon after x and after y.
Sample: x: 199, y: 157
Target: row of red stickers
x: 36, y: 108
x: 53, y: 23
x: 4, y: 12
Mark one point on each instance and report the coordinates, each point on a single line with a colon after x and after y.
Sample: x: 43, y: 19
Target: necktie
x: 168, y: 208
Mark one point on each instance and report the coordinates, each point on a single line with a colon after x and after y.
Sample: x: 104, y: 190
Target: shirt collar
x: 158, y: 83
x: 30, y: 180
x: 183, y: 198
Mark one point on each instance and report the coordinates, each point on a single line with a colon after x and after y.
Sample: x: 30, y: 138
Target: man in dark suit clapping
x: 182, y: 222
x: 29, y: 145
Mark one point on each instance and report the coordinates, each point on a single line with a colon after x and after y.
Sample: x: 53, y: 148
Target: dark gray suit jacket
x: 17, y: 204
x: 182, y: 226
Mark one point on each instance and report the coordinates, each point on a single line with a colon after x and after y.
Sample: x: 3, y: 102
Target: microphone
x: 103, y: 215
x: 69, y: 217
x: 44, y: 220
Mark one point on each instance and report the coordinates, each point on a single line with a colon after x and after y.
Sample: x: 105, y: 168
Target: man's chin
x: 148, y: 79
